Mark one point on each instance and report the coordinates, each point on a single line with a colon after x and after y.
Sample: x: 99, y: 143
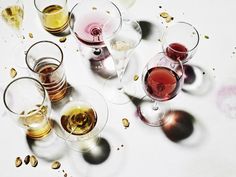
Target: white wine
x: 55, y: 18
x: 13, y: 15
x: 79, y: 120
x: 36, y: 122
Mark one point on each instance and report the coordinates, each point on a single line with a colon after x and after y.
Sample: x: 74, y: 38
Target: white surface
x: 209, y: 152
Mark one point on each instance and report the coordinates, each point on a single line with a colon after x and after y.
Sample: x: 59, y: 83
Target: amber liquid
x: 13, y: 16
x: 79, y: 120
x: 55, y: 18
x: 53, y: 79
x: 36, y: 122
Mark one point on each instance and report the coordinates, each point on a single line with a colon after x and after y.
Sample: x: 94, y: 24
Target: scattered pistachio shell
x: 18, y: 162
x: 125, y: 122
x: 31, y: 35
x: 164, y: 14
x: 206, y: 37
x: 169, y: 19
x: 33, y: 161
x: 13, y: 72
x: 62, y: 39
x: 27, y: 159
x: 55, y: 165
x: 136, y: 77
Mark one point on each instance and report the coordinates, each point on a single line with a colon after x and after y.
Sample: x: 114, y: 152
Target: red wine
x: 177, y: 51
x: 161, y: 83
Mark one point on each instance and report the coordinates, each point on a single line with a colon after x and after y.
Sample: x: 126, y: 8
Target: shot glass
x: 27, y: 101
x: 54, y: 14
x: 45, y: 61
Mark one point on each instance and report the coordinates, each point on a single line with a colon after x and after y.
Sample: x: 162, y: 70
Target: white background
x: 209, y: 152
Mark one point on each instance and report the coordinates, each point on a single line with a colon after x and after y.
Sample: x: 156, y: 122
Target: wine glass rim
x: 76, y: 5
x: 186, y: 23
x: 24, y: 78
x: 41, y: 11
x: 39, y: 42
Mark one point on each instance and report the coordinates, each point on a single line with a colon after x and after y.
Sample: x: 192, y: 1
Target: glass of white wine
x: 121, y: 46
x: 82, y: 118
x: 12, y: 13
x: 54, y: 15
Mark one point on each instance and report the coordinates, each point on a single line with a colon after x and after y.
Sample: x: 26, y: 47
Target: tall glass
x: 121, y: 46
x: 54, y: 14
x: 27, y: 101
x: 45, y: 61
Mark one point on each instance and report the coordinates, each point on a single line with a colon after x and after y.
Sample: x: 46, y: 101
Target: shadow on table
x: 150, y: 31
x: 105, y: 160
x: 197, y: 80
x: 49, y: 148
x: 182, y: 127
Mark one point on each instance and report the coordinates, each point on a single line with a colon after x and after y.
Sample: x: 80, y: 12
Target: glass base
x: 116, y: 94
x: 153, y: 116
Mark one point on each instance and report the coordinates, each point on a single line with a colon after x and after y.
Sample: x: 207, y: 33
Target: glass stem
x: 155, y: 106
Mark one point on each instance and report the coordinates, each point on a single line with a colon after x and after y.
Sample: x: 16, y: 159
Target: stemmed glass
x: 121, y: 45
x: 180, y: 41
x: 162, y: 79
x: 87, y: 21
x: 12, y: 14
x: 82, y: 118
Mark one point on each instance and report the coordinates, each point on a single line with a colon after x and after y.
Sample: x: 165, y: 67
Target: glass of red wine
x: 162, y: 79
x: 87, y: 21
x: 180, y: 41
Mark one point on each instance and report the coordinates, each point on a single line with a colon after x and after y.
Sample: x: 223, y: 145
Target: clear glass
x: 121, y: 46
x: 162, y: 79
x: 180, y: 41
x: 87, y: 21
x: 30, y: 112
x: 45, y: 61
x: 54, y: 15
x: 82, y: 131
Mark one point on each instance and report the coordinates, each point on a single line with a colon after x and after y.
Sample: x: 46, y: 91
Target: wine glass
x: 82, y: 118
x: 180, y: 41
x: 12, y: 13
x: 162, y: 79
x: 121, y: 45
x: 87, y: 21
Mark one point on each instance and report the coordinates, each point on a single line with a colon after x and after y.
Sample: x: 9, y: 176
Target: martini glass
x: 86, y: 24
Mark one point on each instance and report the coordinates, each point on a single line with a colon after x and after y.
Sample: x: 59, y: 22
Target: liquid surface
x: 55, y: 18
x: 79, y: 120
